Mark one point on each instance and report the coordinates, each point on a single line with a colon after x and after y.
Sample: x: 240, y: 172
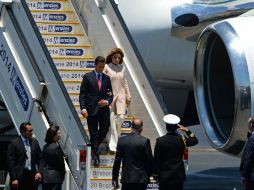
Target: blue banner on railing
x: 12, y: 76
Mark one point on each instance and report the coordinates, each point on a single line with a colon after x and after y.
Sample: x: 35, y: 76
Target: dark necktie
x: 27, y: 142
x: 99, y: 80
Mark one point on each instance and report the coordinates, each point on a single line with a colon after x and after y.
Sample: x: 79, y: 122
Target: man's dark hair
x: 171, y: 127
x: 51, y: 133
x: 23, y: 125
x: 99, y: 59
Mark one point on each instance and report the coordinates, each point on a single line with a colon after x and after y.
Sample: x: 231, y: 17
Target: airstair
x: 74, y: 32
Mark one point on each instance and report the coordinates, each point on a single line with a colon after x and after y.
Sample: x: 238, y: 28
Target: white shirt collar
x: 23, y: 139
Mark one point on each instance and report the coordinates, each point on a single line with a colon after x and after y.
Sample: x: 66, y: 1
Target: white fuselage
x: 168, y: 58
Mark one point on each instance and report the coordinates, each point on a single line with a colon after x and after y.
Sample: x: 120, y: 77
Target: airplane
x: 188, y: 48
x: 199, y: 54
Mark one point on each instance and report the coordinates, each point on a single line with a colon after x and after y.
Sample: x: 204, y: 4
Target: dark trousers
x: 27, y: 181
x: 249, y: 185
x: 51, y: 186
x: 134, y: 186
x: 174, y: 186
x: 98, y: 126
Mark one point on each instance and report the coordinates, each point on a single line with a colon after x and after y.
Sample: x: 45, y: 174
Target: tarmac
x: 209, y: 169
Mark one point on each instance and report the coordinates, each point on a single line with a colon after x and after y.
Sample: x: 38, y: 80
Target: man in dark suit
x: 249, y: 133
x: 169, y: 168
x: 95, y: 96
x: 24, y: 159
x: 247, y: 162
x: 135, y: 152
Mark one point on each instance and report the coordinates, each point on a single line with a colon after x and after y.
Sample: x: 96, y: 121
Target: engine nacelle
x: 224, y: 80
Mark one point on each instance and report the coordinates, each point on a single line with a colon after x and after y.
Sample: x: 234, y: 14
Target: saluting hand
x: 182, y: 128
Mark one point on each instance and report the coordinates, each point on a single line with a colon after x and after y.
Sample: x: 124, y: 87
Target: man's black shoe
x: 96, y: 161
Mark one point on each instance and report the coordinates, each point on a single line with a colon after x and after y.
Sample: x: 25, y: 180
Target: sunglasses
x: 29, y: 131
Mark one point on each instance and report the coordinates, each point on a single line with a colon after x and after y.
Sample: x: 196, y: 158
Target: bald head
x: 137, y: 125
x: 251, y: 124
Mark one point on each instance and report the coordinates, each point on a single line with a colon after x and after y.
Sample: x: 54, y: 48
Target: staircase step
x: 72, y: 75
x: 125, y: 130
x: 63, y: 17
x: 74, y: 98
x: 152, y: 186
x: 107, y: 159
x: 67, y: 52
x: 60, y: 29
x: 64, y: 40
x: 85, y: 70
x: 84, y: 122
x: 106, y: 184
x: 48, y: 5
x: 72, y: 86
x: 52, y: 11
x: 101, y: 172
x: 77, y: 108
x: 102, y: 184
x: 59, y: 22
x: 74, y: 63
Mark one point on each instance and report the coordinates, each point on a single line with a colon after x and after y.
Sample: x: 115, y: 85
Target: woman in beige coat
x: 117, y: 73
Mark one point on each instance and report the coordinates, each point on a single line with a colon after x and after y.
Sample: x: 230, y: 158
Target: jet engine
x: 224, y: 80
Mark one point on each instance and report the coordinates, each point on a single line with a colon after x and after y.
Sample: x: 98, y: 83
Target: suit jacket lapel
x: 22, y: 144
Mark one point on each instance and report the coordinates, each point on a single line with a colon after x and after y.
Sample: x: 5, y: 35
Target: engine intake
x: 223, y: 79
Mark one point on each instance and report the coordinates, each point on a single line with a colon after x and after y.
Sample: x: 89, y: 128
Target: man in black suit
x: 95, y: 96
x: 247, y: 161
x: 168, y: 154
x: 24, y: 159
x: 249, y: 133
x: 135, y: 152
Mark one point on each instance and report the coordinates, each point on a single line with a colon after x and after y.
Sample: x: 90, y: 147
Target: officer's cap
x: 171, y: 119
